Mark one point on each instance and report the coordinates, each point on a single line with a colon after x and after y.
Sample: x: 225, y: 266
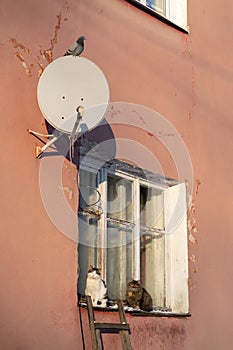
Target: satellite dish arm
x: 73, y: 136
x: 76, y: 124
x: 40, y: 150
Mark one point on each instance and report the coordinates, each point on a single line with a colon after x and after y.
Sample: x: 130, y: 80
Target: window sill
x: 158, y: 313
x: 140, y: 313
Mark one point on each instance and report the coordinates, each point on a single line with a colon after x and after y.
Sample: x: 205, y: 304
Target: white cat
x: 96, y: 287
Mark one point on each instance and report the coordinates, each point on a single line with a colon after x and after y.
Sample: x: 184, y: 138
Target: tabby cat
x: 138, y: 297
x: 134, y: 294
x: 146, y: 302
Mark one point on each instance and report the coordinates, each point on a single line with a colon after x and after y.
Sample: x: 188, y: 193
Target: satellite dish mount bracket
x: 73, y: 135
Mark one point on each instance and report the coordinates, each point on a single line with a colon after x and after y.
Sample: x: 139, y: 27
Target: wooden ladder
x: 97, y: 328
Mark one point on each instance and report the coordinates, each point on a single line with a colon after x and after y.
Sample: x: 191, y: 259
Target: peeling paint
x: 47, y: 54
x: 20, y: 49
x: 28, y: 69
x: 193, y: 89
x: 19, y: 46
x: 198, y: 183
x: 41, y: 69
x: 192, y: 237
x: 192, y: 284
x: 160, y: 134
x: 68, y: 190
x: 192, y: 258
x: 192, y: 225
x: 23, y: 53
x: 114, y: 113
x: 195, y: 269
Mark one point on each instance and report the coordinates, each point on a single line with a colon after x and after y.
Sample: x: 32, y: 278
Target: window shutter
x: 176, y: 248
x: 177, y: 12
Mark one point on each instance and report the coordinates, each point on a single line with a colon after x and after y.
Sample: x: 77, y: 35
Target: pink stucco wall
x: 187, y: 79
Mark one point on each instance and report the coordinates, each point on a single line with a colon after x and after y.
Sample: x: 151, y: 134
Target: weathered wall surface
x: 188, y: 80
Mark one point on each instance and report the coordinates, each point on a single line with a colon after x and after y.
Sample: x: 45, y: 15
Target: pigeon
x: 77, y: 48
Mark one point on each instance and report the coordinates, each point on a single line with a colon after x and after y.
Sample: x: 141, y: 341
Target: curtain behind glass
x: 119, y: 258
x: 119, y: 236
x: 152, y: 259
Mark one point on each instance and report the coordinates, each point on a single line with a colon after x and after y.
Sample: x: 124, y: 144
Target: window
x: 174, y: 11
x: 156, y: 5
x: 132, y: 224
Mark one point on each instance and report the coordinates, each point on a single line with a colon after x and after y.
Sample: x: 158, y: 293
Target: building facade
x: 169, y: 70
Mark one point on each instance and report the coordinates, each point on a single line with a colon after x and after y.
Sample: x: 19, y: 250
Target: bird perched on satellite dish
x: 77, y: 48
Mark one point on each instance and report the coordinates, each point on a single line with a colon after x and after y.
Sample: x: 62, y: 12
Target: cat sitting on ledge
x: 138, y: 297
x: 96, y: 287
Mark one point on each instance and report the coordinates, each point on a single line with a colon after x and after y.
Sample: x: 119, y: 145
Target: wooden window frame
x: 176, y: 245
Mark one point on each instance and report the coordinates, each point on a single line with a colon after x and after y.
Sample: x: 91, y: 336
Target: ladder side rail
x: 125, y: 340
x: 95, y: 333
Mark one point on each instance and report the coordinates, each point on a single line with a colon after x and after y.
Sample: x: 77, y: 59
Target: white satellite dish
x: 67, y: 84
x: 70, y: 82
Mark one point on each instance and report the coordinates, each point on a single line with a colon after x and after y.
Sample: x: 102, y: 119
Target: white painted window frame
x: 176, y: 12
x: 176, y: 243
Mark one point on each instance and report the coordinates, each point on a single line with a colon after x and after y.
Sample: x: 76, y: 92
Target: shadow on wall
x: 86, y: 143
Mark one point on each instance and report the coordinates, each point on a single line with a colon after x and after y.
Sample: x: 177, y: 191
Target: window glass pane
x: 88, y: 195
x: 87, y: 226
x: 151, y: 208
x: 119, y: 199
x: 152, y: 247
x: 119, y: 259
x: 119, y: 235
x: 156, y: 5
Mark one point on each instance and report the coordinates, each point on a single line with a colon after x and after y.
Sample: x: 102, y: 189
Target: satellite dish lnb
x: 67, y: 86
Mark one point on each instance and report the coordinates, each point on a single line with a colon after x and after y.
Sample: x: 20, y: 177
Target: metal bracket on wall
x: 73, y: 136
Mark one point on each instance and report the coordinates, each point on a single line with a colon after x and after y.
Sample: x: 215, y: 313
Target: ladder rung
x: 112, y: 326
x: 97, y: 328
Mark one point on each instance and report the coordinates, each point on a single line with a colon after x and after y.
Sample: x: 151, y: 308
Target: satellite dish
x: 68, y: 83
